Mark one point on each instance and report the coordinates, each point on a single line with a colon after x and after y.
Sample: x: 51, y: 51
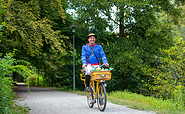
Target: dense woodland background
x: 143, y: 39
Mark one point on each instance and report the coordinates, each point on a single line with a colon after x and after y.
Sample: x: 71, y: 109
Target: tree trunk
x: 121, y: 24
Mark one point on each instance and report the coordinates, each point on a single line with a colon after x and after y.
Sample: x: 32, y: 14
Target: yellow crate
x: 98, y: 75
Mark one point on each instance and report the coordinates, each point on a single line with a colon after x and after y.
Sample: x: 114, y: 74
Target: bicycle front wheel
x: 101, y: 97
x: 90, y: 98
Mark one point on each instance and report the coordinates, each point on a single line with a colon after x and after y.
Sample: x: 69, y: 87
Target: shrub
x: 6, y: 93
x: 32, y: 81
x: 6, y: 83
x: 168, y: 77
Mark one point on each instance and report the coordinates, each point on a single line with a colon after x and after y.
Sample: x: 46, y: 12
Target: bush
x: 32, y: 81
x: 168, y: 77
x: 7, y: 105
x: 6, y: 93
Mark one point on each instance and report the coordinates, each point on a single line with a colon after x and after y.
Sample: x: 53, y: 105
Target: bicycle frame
x: 94, y: 84
x: 95, y: 88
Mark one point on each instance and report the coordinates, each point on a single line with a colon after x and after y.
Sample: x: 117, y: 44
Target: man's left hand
x: 107, y: 64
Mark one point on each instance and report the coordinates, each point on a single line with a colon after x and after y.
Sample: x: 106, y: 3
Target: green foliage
x: 182, y: 22
x: 6, y: 94
x: 168, y: 76
x: 6, y: 83
x: 33, y: 81
x: 34, y: 28
x: 30, y: 30
x: 131, y: 56
x: 22, y: 70
x: 6, y: 65
x: 123, y: 57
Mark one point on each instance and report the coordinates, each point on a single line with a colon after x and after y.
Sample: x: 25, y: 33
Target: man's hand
x: 107, y: 64
x: 84, y: 65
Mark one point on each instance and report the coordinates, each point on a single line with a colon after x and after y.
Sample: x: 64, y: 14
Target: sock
x: 87, y: 80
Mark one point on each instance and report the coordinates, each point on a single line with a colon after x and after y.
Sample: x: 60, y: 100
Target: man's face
x: 91, y: 40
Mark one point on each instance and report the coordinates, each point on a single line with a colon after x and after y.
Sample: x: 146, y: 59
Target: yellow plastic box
x: 101, y: 75
x: 98, y: 75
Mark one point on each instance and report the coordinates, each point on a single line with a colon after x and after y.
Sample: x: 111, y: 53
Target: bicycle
x: 97, y: 86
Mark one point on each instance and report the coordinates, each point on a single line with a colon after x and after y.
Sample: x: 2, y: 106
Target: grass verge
x: 140, y: 102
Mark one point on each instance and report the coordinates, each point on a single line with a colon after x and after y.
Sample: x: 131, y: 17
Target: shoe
x: 88, y: 89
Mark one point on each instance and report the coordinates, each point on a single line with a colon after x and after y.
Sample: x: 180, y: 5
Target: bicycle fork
x: 95, y: 89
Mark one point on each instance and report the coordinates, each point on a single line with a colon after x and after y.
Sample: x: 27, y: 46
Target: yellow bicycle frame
x: 92, y: 82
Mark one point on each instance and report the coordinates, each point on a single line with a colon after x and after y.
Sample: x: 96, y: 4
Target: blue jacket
x: 88, y: 58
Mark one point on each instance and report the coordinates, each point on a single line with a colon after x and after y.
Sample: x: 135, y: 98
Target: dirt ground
x: 42, y: 100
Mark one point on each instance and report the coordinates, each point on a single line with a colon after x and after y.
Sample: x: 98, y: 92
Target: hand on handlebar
x: 107, y: 64
x: 84, y: 65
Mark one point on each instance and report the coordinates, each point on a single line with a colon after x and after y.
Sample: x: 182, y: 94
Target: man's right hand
x: 84, y: 65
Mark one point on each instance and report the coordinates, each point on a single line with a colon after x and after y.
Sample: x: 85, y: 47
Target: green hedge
x: 6, y: 93
x: 7, y: 105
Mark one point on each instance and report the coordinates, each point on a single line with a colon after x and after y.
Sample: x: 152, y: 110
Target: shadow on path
x: 21, y: 87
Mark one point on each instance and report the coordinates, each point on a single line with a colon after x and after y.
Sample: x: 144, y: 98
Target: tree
x: 182, y: 22
x: 29, y: 29
x: 127, y: 15
x: 168, y: 76
x: 141, y: 35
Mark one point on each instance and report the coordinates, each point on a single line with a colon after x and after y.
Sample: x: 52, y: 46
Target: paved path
x: 50, y: 101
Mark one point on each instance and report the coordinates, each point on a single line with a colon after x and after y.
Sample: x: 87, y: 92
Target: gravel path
x: 50, y: 101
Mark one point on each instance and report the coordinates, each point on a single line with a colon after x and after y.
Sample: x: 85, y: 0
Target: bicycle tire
x: 102, y: 97
x: 90, y: 98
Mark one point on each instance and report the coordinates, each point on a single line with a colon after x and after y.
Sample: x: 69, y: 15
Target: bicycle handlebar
x: 96, y: 66
x: 102, y: 65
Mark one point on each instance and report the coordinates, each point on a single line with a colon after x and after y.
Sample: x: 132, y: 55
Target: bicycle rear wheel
x: 90, y: 98
x: 102, y: 97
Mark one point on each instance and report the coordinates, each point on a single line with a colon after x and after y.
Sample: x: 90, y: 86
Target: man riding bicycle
x: 91, y: 54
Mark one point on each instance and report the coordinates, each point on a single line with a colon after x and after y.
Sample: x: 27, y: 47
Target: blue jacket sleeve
x: 83, y: 57
x: 103, y: 56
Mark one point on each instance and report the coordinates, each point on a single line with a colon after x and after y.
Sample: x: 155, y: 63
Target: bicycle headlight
x: 103, y: 75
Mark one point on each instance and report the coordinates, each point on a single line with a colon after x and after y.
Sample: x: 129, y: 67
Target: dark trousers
x: 87, y: 80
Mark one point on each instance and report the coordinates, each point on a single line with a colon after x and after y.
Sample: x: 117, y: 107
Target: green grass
x: 140, y: 102
x: 83, y: 93
x: 65, y: 88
